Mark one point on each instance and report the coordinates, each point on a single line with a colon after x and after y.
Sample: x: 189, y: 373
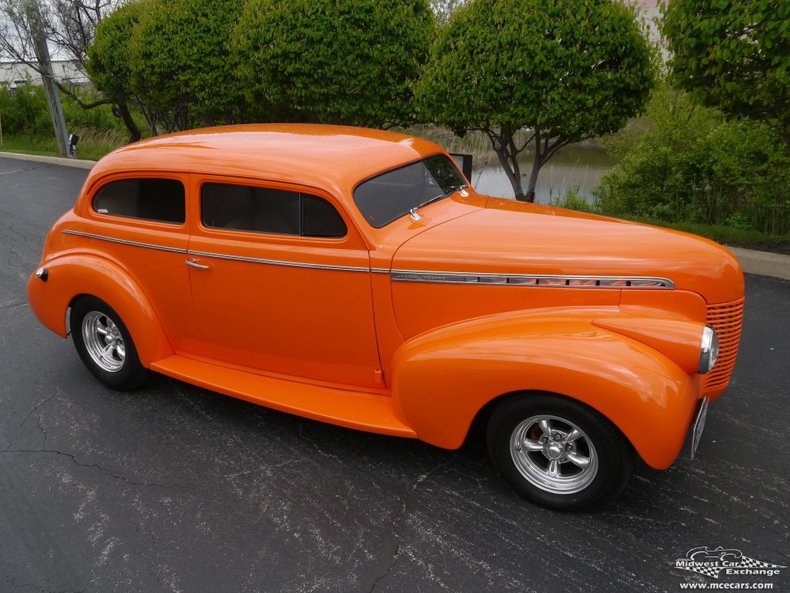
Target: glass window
x: 263, y: 210
x: 320, y: 219
x: 392, y: 194
x: 161, y: 200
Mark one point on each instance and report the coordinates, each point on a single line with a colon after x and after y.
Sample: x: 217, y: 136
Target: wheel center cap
x: 554, y: 451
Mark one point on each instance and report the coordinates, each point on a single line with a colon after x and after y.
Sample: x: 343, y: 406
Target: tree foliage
x: 333, y: 61
x: 734, y: 55
x: 444, y: 8
x: 180, y: 60
x: 109, y: 60
x: 693, y: 165
x: 566, y: 71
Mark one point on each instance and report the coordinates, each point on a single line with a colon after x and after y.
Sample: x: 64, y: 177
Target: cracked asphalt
x: 174, y: 488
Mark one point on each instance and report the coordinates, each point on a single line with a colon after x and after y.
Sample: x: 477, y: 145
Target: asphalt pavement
x: 175, y: 488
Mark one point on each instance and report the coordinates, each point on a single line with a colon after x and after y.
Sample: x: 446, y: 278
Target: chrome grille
x: 727, y: 320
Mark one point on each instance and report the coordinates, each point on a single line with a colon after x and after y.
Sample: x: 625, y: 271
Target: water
x: 580, y: 166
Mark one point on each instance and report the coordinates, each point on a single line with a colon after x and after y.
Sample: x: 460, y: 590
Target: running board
x: 352, y: 409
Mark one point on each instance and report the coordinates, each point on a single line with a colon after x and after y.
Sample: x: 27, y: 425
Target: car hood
x: 508, y: 237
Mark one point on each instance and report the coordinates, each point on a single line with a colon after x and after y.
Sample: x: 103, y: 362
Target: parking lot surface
x: 174, y: 488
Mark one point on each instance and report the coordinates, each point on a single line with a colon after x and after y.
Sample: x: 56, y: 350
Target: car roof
x: 323, y: 156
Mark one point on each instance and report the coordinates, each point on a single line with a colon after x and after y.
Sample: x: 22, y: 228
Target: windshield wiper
x: 451, y: 190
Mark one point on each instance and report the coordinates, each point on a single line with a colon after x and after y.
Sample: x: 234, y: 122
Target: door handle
x: 192, y: 263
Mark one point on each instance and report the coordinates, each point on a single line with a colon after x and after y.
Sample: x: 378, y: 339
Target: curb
x: 49, y: 160
x: 762, y: 263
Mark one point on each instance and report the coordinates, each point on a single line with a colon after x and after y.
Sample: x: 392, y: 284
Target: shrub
x: 692, y: 165
x: 24, y: 111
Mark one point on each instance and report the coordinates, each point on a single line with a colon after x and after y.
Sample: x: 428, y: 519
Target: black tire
x: 130, y: 373
x: 609, y: 456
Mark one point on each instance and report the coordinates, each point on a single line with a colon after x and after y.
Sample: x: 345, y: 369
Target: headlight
x: 709, y: 350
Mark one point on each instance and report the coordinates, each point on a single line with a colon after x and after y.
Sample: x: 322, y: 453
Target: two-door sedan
x: 353, y: 276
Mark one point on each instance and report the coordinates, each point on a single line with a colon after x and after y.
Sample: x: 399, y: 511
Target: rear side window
x: 264, y: 210
x: 161, y: 200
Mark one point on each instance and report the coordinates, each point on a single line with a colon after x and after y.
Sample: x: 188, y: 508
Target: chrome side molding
x: 559, y: 281
x: 437, y: 277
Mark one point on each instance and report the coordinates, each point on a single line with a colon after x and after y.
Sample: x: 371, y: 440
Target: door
x: 281, y: 282
x: 141, y: 217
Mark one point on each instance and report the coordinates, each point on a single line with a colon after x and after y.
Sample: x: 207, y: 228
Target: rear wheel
x: 105, y: 345
x: 557, y: 452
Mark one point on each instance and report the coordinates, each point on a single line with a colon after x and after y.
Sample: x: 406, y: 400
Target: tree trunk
x: 506, y: 151
x: 540, y: 159
x: 533, y: 178
x: 126, y: 115
x: 512, y: 173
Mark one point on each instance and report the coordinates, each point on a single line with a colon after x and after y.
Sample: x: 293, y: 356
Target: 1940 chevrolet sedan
x: 353, y: 276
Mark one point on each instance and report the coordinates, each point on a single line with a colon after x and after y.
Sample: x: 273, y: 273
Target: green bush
x: 27, y: 125
x: 24, y: 111
x: 692, y: 165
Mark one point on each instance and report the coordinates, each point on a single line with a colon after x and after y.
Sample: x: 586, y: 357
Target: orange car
x: 353, y: 276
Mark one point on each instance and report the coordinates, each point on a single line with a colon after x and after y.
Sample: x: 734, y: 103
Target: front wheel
x: 105, y: 344
x: 557, y: 452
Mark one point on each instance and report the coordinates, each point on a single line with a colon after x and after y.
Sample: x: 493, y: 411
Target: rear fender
x: 441, y: 379
x: 71, y: 275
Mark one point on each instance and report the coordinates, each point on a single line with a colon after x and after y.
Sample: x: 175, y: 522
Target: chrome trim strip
x: 275, y: 262
x: 555, y: 281
x: 253, y: 260
x: 124, y: 241
x: 541, y: 280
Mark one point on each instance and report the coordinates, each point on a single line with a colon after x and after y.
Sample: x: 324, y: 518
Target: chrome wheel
x: 553, y: 454
x: 103, y: 341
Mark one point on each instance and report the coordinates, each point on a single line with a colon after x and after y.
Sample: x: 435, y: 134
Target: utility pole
x: 39, y: 37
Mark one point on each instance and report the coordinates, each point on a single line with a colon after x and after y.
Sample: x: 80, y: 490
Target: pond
x: 578, y: 166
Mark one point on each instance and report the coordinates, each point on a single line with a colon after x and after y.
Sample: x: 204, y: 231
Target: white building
x: 14, y: 74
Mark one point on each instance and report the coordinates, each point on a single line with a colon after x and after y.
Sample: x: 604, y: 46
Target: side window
x: 160, y: 200
x: 262, y: 210
x: 320, y: 219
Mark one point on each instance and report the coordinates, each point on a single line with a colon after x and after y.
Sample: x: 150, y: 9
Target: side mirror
x: 73, y: 141
x: 464, y: 162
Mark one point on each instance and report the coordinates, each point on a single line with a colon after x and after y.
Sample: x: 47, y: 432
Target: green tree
x: 109, y: 61
x: 181, y: 63
x: 734, y: 55
x: 333, y: 61
x: 564, y: 71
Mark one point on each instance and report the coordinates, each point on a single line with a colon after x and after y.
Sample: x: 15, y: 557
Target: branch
x: 551, y: 149
x: 526, y: 143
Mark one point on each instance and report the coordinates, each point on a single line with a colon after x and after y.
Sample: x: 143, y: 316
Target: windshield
x: 389, y: 196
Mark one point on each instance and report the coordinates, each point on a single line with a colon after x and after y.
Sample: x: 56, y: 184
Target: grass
x: 736, y: 237
x: 92, y: 146
x: 733, y: 236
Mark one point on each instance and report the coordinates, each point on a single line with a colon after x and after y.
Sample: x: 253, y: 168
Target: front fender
x: 441, y: 379
x: 71, y: 275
